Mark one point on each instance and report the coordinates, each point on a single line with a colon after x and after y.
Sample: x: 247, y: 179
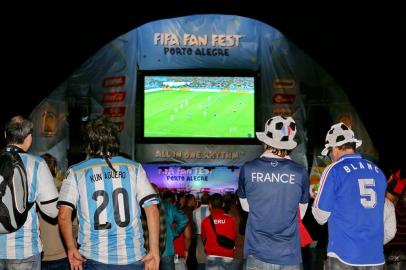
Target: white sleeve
x: 244, y: 204
x: 47, y: 193
x: 303, y: 209
x: 389, y: 218
x: 320, y: 216
x: 145, y: 192
x: 69, y: 194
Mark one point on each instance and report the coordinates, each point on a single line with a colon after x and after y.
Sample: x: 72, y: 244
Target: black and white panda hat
x: 279, y: 133
x: 339, y: 134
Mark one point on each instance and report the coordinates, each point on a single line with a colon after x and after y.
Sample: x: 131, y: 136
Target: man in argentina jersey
x: 351, y: 197
x: 271, y: 188
x: 22, y: 249
x: 198, y: 215
x: 108, y: 190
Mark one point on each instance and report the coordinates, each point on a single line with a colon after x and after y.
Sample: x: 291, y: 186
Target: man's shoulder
x: 31, y: 157
x: 200, y: 207
x: 205, y: 221
x: 229, y: 217
x: 354, y: 163
x: 125, y: 161
x: 81, y: 165
x: 293, y: 164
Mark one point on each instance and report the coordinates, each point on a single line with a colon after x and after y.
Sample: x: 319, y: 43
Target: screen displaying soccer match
x: 199, y: 107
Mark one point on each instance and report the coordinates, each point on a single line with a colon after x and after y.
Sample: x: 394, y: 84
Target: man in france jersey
x: 271, y: 188
x: 352, y: 198
x: 108, y: 190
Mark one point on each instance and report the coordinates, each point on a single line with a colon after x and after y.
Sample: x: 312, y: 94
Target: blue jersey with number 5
x: 353, y: 190
x: 108, y: 205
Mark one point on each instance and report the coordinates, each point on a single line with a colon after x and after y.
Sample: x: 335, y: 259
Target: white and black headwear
x: 279, y: 133
x: 338, y: 135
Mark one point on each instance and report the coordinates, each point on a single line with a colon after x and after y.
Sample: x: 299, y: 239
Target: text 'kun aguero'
x: 107, y: 176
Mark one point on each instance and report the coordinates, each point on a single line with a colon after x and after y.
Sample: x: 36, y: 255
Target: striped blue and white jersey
x: 108, y: 206
x: 198, y: 215
x: 352, y: 197
x: 25, y: 242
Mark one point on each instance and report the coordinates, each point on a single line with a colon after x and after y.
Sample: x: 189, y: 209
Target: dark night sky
x: 361, y: 48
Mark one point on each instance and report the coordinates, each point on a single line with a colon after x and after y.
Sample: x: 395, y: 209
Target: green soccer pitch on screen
x: 199, y: 107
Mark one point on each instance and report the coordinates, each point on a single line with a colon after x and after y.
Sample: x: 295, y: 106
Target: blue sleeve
x: 241, y: 184
x: 327, y: 191
x: 180, y: 219
x: 305, y: 184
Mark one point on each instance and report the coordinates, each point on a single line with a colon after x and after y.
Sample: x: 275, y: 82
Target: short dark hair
x: 17, y: 129
x: 229, y: 200
x: 102, y: 137
x: 216, y: 201
x: 349, y: 145
x: 168, y: 196
x: 204, y: 199
x: 278, y: 152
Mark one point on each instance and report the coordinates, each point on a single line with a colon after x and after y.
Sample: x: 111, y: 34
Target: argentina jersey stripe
x: 35, y: 242
x: 107, y: 201
x: 27, y: 243
x: 83, y: 212
x: 138, y: 242
x: 92, y: 247
x: 107, y: 217
x: 19, y: 249
x: 125, y: 247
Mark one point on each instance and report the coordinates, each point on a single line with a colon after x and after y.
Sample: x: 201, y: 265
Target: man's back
x: 353, y: 190
x: 173, y: 215
x: 224, y: 225
x: 108, y: 205
x: 198, y: 215
x: 274, y: 187
x: 25, y: 242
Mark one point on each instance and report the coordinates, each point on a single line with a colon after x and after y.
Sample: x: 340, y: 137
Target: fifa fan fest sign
x: 174, y: 44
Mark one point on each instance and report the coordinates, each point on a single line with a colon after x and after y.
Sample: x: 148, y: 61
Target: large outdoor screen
x: 199, y: 106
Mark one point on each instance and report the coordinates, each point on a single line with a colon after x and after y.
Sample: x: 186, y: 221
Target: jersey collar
x: 268, y: 154
x: 346, y: 156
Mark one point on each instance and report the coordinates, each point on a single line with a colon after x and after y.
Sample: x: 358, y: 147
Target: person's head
x: 278, y: 136
x: 190, y: 200
x: 169, y: 196
x: 180, y: 200
x: 340, y: 140
x: 102, y: 137
x: 216, y: 201
x: 229, y: 200
x: 18, y: 132
x: 204, y: 199
x: 51, y: 162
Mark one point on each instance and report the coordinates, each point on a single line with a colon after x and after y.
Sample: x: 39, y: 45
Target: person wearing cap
x: 271, y: 188
x: 352, y: 199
